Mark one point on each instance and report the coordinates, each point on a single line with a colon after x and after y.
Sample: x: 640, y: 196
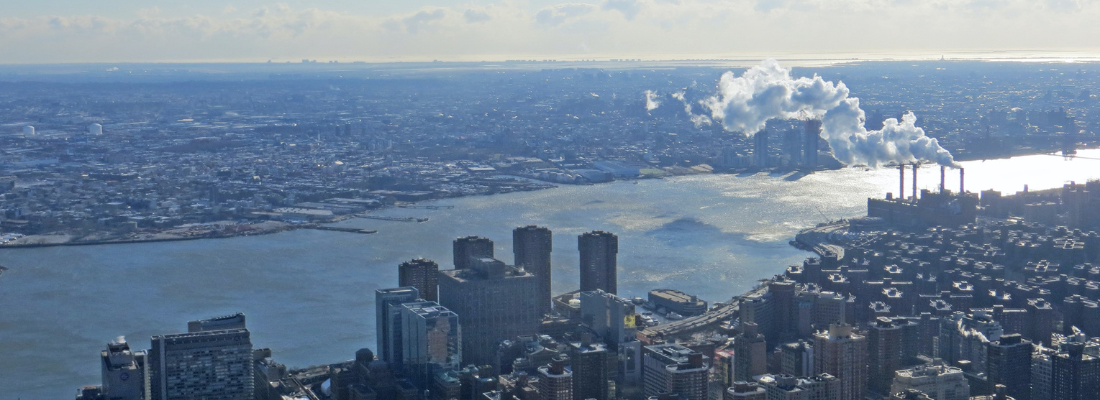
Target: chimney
x: 962, y: 180
x: 915, y: 182
x: 943, y: 170
x: 901, y: 185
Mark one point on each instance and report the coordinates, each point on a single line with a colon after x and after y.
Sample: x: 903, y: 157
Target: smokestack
x: 943, y: 170
x: 962, y: 181
x: 915, y: 182
x: 901, y: 184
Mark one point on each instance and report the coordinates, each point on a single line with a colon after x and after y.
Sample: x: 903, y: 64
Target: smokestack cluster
x: 745, y: 103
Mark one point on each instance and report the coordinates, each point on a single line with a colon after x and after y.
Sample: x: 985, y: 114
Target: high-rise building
x: 387, y: 325
x: 555, y: 381
x: 842, y: 353
x: 431, y: 340
x: 811, y: 139
x: 590, y: 377
x: 1075, y: 374
x: 612, y: 318
x: 124, y: 372
x: 422, y: 274
x: 937, y: 381
x: 787, y: 387
x: 745, y: 391
x: 673, y: 368
x: 760, y: 149
x: 750, y: 352
x: 797, y: 358
x: 235, y: 321
x: 495, y: 303
x: 1008, y: 363
x: 599, y: 261
x: 884, y: 354
x: 469, y: 248
x: 213, y: 365
x: 531, y: 246
x: 1041, y: 379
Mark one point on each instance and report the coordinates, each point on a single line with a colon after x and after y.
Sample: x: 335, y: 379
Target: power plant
x: 925, y: 207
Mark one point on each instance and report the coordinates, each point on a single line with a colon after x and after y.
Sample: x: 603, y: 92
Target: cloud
x: 629, y: 8
x: 422, y: 19
x: 474, y: 16
x: 559, y: 14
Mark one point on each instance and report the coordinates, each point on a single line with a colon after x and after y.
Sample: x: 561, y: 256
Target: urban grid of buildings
x: 154, y: 159
x: 896, y: 306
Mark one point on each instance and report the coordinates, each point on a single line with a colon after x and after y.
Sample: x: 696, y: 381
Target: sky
x: 79, y: 31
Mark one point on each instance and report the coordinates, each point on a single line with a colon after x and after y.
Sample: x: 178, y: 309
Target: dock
x: 427, y: 207
x: 348, y: 230
x: 395, y: 219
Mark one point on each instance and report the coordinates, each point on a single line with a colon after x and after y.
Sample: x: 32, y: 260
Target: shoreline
x: 166, y: 234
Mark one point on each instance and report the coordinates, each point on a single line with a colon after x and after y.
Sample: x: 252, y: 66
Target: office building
x: 938, y: 381
x: 842, y: 353
x: 745, y: 391
x: 431, y: 340
x: 422, y: 274
x: 495, y: 303
x: 599, y: 261
x: 124, y: 372
x: 211, y: 365
x: 1008, y: 363
x: 235, y: 321
x: 387, y: 321
x: 531, y: 246
x: 750, y: 352
x: 884, y: 354
x: 675, y: 369
x: 787, y: 387
x: 590, y: 370
x: 555, y: 381
x: 469, y: 248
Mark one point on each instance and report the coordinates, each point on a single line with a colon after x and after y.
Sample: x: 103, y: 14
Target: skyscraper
x: 673, y: 368
x: 422, y: 274
x: 599, y: 261
x: 124, y: 372
x: 1075, y: 374
x: 212, y: 365
x: 760, y: 149
x: 797, y: 358
x: 555, y: 381
x: 884, y: 353
x: 431, y: 340
x: 811, y: 139
x: 842, y: 353
x: 495, y: 303
x: 749, y: 353
x: 613, y: 319
x: 589, y: 370
x: 469, y: 248
x: 387, y: 321
x: 531, y: 246
x: 1008, y: 363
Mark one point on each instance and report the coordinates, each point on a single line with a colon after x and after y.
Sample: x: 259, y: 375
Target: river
x: 309, y: 294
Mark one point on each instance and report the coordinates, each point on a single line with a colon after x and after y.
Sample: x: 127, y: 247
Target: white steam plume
x: 651, y: 102
x: 745, y: 103
x: 697, y: 119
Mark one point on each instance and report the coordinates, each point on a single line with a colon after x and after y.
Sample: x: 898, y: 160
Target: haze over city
x: 69, y: 31
x: 550, y: 200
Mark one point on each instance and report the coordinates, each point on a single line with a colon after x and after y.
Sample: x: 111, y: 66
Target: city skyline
x: 451, y: 30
